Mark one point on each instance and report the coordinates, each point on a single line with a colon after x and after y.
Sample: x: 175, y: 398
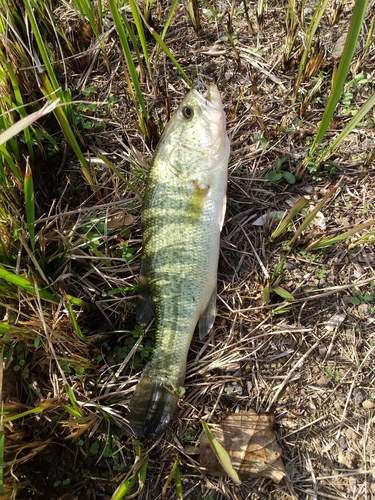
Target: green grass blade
x: 42, y: 49
x: 87, y: 10
x: 141, y: 33
x: 169, y: 18
x: 75, y: 321
x: 75, y: 301
x: 178, y: 480
x: 67, y: 130
x: 127, y: 54
x: 360, y: 114
x: 340, y: 237
x: 313, y: 26
x: 128, y: 483
x: 19, y: 101
x: 26, y: 285
x: 284, y: 294
x: 165, y: 48
x: 73, y: 399
x: 6, y: 159
x: 166, y: 27
x: 339, y: 77
x: 28, y: 187
x: 17, y: 127
x: 2, y: 449
x: 23, y: 414
x: 310, y: 217
x: 221, y: 454
x: 285, y: 221
x: 116, y: 171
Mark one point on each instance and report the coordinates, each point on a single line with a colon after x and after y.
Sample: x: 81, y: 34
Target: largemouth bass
x: 183, y: 213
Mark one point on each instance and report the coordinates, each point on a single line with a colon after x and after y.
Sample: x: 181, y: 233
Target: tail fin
x: 152, y: 405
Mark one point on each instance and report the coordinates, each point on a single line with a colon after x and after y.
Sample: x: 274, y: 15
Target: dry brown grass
x: 318, y: 380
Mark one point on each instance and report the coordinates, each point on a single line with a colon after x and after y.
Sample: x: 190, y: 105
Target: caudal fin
x: 151, y: 406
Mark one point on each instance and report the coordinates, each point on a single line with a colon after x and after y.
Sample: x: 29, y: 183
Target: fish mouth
x: 213, y: 96
x: 211, y: 99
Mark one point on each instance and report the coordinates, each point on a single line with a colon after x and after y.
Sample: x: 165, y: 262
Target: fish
x: 182, y: 217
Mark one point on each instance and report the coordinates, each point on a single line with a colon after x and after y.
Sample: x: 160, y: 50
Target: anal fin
x: 207, y: 318
x: 145, y: 305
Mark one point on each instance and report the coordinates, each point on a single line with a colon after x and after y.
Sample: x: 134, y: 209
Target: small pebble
x: 368, y: 405
x: 322, y: 381
x: 359, y: 395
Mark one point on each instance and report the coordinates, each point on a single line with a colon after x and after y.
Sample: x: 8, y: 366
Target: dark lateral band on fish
x: 182, y: 216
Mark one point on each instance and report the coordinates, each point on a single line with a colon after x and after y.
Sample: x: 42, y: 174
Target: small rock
x: 322, y: 381
x: 364, y: 310
x: 359, y: 395
x: 335, y: 321
x: 343, y: 443
x: 368, y: 405
x: 233, y: 389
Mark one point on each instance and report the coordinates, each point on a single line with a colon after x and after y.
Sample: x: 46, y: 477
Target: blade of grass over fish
x: 27, y: 285
x: 141, y: 34
x: 17, y: 127
x: 332, y: 241
x: 28, y: 187
x: 339, y: 76
x: 221, y: 454
x: 128, y: 58
x: 313, y: 26
x: 285, y: 221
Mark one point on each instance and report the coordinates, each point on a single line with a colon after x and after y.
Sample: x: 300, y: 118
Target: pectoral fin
x: 207, y: 318
x: 222, y: 212
x: 145, y: 306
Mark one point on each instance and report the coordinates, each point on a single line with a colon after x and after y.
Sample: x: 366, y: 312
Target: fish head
x: 195, y: 138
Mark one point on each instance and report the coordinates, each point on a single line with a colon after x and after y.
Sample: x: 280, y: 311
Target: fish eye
x: 187, y: 112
